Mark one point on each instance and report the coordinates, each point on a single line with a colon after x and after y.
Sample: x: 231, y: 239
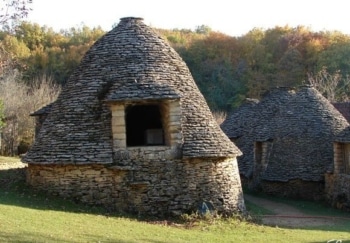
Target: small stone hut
x: 287, y: 141
x: 131, y: 131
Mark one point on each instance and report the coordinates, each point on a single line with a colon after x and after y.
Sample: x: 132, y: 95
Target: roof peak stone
x: 131, y: 19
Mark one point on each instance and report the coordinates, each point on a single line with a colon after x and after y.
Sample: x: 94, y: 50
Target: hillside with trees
x: 36, y: 61
x: 227, y: 69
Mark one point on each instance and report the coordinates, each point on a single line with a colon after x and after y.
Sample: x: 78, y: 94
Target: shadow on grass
x: 332, y: 241
x: 21, y: 238
x: 37, y: 238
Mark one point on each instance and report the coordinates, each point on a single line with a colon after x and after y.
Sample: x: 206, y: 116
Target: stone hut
x: 287, y: 141
x: 131, y: 131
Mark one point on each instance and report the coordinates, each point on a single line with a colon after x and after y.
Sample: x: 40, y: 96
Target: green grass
x: 256, y: 210
x: 30, y: 216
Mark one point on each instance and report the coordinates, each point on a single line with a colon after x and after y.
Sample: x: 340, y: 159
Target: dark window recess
x: 144, y: 126
x: 258, y: 153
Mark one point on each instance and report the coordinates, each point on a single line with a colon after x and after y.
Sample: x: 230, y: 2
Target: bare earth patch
x: 289, y: 216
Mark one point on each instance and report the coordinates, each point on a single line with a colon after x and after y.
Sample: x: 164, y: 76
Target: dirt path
x: 289, y: 216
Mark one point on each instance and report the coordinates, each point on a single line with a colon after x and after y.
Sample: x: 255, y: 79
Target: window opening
x: 144, y: 126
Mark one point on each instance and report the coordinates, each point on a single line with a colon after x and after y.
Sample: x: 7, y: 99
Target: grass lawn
x: 30, y: 216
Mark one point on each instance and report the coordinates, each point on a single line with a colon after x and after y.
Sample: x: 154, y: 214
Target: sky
x: 234, y: 18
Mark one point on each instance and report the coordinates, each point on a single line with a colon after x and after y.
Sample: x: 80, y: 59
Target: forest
x: 36, y: 61
x: 227, y: 69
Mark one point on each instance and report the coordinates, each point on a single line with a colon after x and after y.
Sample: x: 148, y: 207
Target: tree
x: 215, y: 65
x: 334, y: 87
x: 290, y: 69
x: 203, y: 29
x: 20, y: 100
x: 6, y: 62
x: 33, y: 35
x: 336, y: 57
x: 13, y: 11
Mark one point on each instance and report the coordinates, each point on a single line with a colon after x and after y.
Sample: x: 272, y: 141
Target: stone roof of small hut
x: 301, y: 125
x: 43, y: 110
x: 240, y: 117
x: 344, y: 109
x: 129, y: 63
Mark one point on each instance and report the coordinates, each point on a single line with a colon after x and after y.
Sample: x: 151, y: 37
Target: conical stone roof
x: 300, y: 126
x: 131, y: 62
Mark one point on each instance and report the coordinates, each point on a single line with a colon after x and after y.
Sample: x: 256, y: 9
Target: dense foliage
x: 227, y: 69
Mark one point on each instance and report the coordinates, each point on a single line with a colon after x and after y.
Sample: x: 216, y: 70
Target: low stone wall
x: 297, y: 189
x: 153, y: 187
x: 338, y: 190
x: 85, y: 183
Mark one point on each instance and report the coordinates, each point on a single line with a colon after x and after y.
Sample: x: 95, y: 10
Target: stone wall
x: 337, y: 184
x: 297, y: 189
x: 338, y: 190
x: 151, y: 186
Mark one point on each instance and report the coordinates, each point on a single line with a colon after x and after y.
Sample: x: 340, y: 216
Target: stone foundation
x: 153, y: 187
x: 297, y: 189
x: 337, y: 190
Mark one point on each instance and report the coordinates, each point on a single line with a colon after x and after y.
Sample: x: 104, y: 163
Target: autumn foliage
x: 227, y: 69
